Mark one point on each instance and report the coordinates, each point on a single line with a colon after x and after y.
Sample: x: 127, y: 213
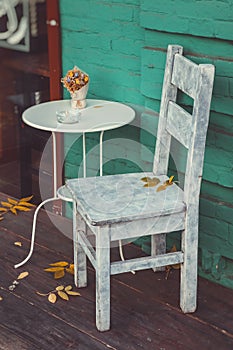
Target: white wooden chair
x: 119, y: 207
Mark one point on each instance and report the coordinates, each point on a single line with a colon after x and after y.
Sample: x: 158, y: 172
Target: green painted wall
x: 122, y: 45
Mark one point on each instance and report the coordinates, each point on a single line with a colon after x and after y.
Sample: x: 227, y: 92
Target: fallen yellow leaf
x: 12, y: 201
x: 3, y: 209
x: 70, y: 269
x: 6, y: 204
x: 22, y: 275
x: 26, y: 199
x: 52, y: 298
x: 59, y: 274
x: 13, y: 210
x: 54, y: 269
x: 70, y: 292
x: 63, y: 295
x: 26, y: 204
x: 19, y: 244
x: 59, y: 288
x: 68, y: 288
x: 21, y: 208
x: 60, y: 263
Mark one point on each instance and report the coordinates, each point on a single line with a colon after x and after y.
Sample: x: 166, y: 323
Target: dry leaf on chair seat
x: 167, y: 183
x: 150, y: 182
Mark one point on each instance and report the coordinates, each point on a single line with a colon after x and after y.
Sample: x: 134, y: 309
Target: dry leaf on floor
x: 18, y: 244
x: 63, y: 295
x: 52, y: 298
x: 59, y: 269
x: 68, y: 288
x: 70, y: 292
x: 70, y: 269
x: 13, y: 206
x: 59, y: 274
x: 60, y: 263
x: 54, y: 269
x: 1, y: 298
x: 22, y: 275
x: 60, y: 288
x: 62, y: 291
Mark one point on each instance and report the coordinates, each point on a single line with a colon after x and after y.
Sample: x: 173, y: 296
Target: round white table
x: 97, y: 116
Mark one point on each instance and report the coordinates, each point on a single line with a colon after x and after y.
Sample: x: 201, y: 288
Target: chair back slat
x: 169, y: 93
x: 201, y: 108
x: 185, y: 75
x: 189, y: 129
x: 179, y: 123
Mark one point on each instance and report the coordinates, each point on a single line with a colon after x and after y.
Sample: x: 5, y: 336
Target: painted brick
x: 97, y: 9
x: 220, y: 175
x: 192, y: 44
x: 93, y: 25
x: 195, y: 18
x: 219, y: 157
x: 231, y: 233
x: 218, y: 192
x: 214, y: 227
x: 207, y: 207
x: 223, y: 121
x: 200, y: 9
x: 219, y: 138
x: 215, y: 243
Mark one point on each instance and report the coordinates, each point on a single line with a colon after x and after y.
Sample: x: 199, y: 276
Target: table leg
x: 101, y: 152
x: 43, y: 203
x: 84, y: 156
x: 34, y: 231
x: 54, y: 164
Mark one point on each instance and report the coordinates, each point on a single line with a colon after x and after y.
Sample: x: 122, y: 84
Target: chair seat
x: 121, y: 198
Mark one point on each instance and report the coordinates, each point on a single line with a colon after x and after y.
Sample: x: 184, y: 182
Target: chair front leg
x: 103, y: 279
x: 80, y: 260
x: 188, y: 285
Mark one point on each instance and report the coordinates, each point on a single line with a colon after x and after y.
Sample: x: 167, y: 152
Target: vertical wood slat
x: 192, y: 187
x: 185, y: 75
x: 161, y: 157
x: 179, y: 123
x: 169, y: 93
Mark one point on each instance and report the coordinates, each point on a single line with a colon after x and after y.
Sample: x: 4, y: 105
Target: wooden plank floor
x: 144, y: 307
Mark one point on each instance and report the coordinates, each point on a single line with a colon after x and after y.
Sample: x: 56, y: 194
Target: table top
x: 98, y: 115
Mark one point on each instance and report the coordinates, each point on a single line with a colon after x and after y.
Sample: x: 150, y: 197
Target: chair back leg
x: 80, y: 259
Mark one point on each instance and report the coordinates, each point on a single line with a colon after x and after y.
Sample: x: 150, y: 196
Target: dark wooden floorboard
x: 145, y: 310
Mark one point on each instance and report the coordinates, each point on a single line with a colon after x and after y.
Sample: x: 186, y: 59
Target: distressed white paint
x: 119, y: 207
x: 179, y: 123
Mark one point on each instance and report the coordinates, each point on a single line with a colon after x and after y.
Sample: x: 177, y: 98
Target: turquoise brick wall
x: 122, y: 45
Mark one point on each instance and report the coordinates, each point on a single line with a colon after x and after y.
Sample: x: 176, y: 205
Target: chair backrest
x: 189, y: 129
